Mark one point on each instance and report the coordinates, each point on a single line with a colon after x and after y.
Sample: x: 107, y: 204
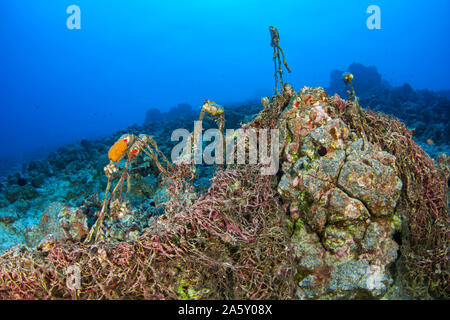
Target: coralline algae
x: 345, y: 198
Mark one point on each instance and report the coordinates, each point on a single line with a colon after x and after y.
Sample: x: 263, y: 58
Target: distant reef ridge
x: 425, y: 111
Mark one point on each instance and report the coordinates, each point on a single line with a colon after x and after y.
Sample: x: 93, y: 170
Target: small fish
x: 430, y: 142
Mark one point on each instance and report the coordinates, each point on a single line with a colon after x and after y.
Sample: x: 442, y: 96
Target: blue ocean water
x: 61, y: 85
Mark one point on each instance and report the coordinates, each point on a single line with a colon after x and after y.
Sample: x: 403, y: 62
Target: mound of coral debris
x: 357, y: 210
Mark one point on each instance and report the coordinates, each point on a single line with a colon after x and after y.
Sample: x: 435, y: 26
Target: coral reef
x: 74, y: 173
x: 368, y: 81
x: 408, y: 200
x: 181, y: 111
x: 357, y: 211
x: 342, y: 202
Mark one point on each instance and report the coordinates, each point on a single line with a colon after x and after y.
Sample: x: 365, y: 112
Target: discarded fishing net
x: 229, y: 244
x: 423, y: 203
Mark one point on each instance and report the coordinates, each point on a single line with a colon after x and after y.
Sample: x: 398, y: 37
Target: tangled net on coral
x: 229, y: 244
x: 423, y: 202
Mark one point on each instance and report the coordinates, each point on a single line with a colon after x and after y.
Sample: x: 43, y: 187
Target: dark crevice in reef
x: 397, y: 237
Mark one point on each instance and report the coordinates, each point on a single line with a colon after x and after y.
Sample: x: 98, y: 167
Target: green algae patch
x: 186, y: 291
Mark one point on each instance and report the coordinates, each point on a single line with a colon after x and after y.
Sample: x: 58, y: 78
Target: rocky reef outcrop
x: 181, y: 111
x: 341, y: 193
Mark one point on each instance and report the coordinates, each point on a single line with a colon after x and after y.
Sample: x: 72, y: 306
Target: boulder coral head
x: 380, y: 166
x: 347, y: 191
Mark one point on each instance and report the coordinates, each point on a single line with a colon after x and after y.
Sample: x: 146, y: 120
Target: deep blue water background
x: 59, y: 85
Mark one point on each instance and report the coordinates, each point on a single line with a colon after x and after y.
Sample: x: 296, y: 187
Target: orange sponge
x: 117, y: 150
